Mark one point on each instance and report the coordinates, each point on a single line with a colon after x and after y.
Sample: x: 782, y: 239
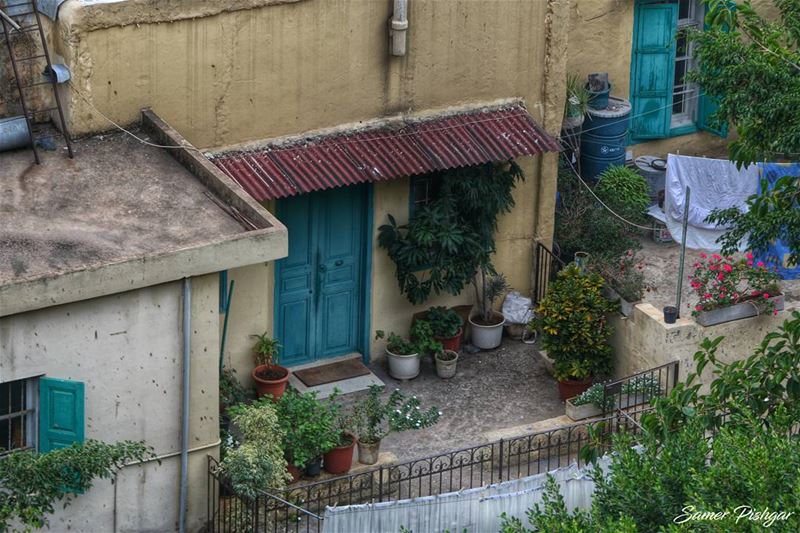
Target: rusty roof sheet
x: 420, y: 145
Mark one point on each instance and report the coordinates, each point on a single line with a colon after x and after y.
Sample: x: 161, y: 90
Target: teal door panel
x: 61, y: 413
x: 340, y: 248
x: 320, y: 285
x: 653, y: 69
x: 295, y: 284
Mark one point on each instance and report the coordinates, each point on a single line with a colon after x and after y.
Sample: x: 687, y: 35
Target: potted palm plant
x: 487, y: 324
x: 447, y: 327
x: 375, y: 419
x: 575, y: 330
x: 577, y: 103
x: 270, y: 378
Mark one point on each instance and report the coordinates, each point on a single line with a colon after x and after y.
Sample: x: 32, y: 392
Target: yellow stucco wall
x: 600, y: 40
x: 286, y: 68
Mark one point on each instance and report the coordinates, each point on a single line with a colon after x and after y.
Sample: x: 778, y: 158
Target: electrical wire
x: 588, y: 188
x: 143, y: 141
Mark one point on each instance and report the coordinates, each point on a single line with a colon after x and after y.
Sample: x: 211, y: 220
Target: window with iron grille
x: 17, y: 415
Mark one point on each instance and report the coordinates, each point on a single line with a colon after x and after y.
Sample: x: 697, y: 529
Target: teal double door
x: 320, y: 286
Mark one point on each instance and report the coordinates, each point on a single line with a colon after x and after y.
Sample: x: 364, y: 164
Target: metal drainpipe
x: 187, y: 331
x: 399, y: 26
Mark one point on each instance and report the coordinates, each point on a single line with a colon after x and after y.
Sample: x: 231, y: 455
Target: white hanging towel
x: 715, y: 183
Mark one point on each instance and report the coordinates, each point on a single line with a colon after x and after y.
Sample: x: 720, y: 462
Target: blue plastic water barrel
x: 604, y: 137
x: 13, y: 133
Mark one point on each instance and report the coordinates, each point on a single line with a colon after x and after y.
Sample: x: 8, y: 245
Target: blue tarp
x: 777, y: 254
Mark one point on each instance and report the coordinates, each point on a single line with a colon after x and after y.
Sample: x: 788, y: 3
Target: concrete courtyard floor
x: 492, y: 392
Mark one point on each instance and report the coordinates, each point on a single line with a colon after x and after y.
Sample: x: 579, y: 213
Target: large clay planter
x: 340, y: 459
x: 451, y: 343
x: 446, y: 369
x: 368, y: 452
x: 572, y: 387
x: 272, y: 387
x: 487, y: 337
x: 403, y: 367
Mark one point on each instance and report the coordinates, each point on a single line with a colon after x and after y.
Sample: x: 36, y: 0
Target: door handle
x: 339, y: 263
x: 323, y: 268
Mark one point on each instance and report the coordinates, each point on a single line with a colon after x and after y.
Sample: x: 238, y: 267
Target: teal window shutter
x: 61, y: 413
x: 705, y: 111
x: 653, y: 69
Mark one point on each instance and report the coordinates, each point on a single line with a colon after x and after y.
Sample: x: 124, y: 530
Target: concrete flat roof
x: 143, y: 212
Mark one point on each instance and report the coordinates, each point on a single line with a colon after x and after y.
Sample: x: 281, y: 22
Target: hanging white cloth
x: 715, y: 183
x: 477, y: 510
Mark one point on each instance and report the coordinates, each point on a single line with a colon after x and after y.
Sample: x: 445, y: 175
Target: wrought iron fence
x: 301, y: 508
x: 634, y: 392
x: 546, y: 266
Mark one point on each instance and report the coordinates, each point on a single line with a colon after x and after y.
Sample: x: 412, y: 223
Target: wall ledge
x: 80, y: 17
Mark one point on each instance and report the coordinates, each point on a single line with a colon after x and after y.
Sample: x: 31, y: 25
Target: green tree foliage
x: 583, y: 225
x: 751, y: 66
x: 625, y: 191
x: 32, y: 483
x: 734, y: 449
x: 447, y: 241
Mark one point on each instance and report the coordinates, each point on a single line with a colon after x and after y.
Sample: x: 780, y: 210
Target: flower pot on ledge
x: 579, y: 412
x: 747, y: 309
x: 339, y: 460
x: 270, y: 380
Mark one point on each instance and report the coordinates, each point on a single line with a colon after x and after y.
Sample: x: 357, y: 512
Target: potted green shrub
x: 446, y: 363
x: 447, y: 327
x: 487, y: 324
x: 574, y: 329
x: 270, y: 377
x: 339, y: 459
x: 257, y: 463
x: 309, y: 428
x: 375, y: 419
x: 404, y: 354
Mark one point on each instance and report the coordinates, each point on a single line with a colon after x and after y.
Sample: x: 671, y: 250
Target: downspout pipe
x: 399, y: 27
x: 186, y: 365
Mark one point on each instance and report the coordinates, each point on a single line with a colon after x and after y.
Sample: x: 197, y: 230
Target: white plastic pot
x: 487, y: 337
x: 403, y: 366
x: 446, y: 369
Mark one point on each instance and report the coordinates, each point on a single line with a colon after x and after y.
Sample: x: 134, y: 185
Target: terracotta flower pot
x: 572, y: 387
x: 270, y: 380
x: 451, y: 343
x: 340, y: 459
x: 294, y: 472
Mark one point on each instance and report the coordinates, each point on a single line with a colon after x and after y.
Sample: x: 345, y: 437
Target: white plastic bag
x: 517, y: 308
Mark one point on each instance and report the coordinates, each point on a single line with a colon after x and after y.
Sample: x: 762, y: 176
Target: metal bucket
x: 14, y: 133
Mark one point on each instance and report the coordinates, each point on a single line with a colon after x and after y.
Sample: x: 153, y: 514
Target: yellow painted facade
x: 252, y: 70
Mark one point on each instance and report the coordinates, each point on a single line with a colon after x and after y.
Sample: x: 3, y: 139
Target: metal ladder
x: 17, y: 9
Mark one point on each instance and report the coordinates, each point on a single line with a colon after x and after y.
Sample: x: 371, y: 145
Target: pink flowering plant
x: 724, y: 281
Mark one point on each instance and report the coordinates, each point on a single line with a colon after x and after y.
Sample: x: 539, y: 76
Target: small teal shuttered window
x: 653, y: 69
x: 61, y: 413
x: 653, y: 73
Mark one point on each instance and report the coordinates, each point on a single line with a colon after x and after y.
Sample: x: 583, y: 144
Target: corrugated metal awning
x: 386, y: 151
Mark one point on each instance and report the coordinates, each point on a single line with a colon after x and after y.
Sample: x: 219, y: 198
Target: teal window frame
x: 704, y: 107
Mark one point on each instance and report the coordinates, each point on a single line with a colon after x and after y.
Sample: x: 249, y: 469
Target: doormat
x: 320, y: 375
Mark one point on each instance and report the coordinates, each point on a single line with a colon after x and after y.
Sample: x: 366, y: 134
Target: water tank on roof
x: 604, y: 138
